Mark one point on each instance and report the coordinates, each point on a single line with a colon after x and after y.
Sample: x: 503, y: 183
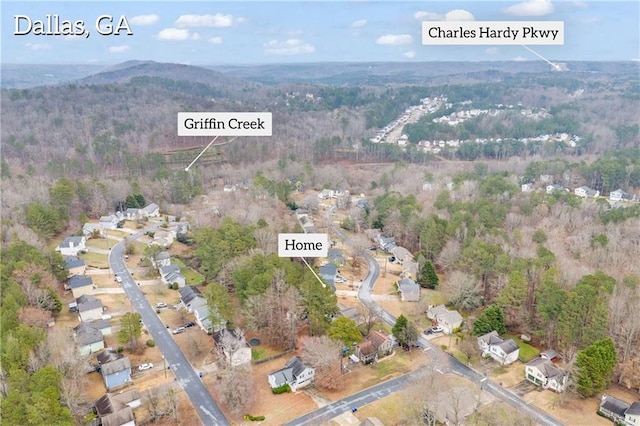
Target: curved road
x: 205, y: 406
x: 442, y: 362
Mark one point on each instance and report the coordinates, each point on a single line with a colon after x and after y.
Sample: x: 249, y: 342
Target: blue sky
x: 258, y: 32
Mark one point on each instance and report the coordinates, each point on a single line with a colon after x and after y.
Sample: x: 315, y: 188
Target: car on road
x: 145, y: 366
x: 161, y: 305
x: 178, y: 330
x: 118, y: 279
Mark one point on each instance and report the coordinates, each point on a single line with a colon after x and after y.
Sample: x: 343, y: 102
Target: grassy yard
x: 527, y: 352
x: 95, y: 260
x: 101, y: 243
x: 193, y: 277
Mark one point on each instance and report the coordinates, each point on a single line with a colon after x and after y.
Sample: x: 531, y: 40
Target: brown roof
x: 377, y: 338
x: 366, y: 348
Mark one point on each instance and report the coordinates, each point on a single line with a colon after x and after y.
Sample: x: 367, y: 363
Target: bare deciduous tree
x: 237, y: 391
x: 371, y: 315
x: 324, y: 354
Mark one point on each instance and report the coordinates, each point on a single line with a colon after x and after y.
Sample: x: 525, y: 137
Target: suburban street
x: 205, y: 406
x: 441, y: 362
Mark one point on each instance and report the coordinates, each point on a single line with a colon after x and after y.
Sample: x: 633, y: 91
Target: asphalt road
x: 205, y: 406
x: 441, y: 362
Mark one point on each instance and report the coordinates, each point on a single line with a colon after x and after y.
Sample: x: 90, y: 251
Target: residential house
x: 89, y: 307
x: 191, y: 298
x: 543, y: 372
x: 409, y: 290
x: 161, y: 259
x: 132, y: 214
x: 91, y: 229
x: 71, y: 246
x: 503, y: 351
x: 386, y: 243
x: 116, y: 409
x: 75, y: 265
x: 110, y: 222
x: 352, y: 313
x: 234, y: 346
x: 203, y: 319
x: 163, y: 238
x: 613, y: 408
x: 526, y: 187
x: 632, y: 415
x: 586, y: 192
x: 79, y: 285
x: 554, y: 188
x: 171, y: 274
x: 619, y: 195
x: 365, y: 352
x: 151, y: 210
x: 449, y: 320
x: 325, y: 194
x: 115, y: 368
x: 329, y: 272
x: 409, y: 268
x: 402, y: 254
x: 335, y: 256
x: 549, y: 354
x: 375, y: 345
x: 295, y: 373
x: 88, y: 338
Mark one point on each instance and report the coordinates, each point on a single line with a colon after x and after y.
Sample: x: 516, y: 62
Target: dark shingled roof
x: 634, y: 409
x: 73, y: 262
x: 614, y: 405
x: 78, y: 281
x: 87, y: 302
x: 112, y: 362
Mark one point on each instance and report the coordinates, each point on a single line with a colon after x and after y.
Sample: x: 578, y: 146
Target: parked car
x: 145, y: 366
x: 161, y: 305
x: 178, y: 330
x: 339, y: 279
x: 189, y: 324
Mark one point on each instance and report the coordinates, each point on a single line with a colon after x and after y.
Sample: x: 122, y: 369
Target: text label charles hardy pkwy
x: 493, y: 33
x: 224, y: 124
x: 303, y: 245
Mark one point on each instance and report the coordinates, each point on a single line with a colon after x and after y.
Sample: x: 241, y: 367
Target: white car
x: 161, y: 305
x: 145, y: 366
x: 179, y: 330
x: 118, y: 279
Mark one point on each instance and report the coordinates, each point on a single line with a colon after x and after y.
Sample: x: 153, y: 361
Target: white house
x: 111, y: 221
x: 89, y: 229
x: 542, y: 372
x: 151, y: 210
x: 132, y: 214
x: 89, y: 307
x: 586, y: 192
x: 632, y: 414
x: 503, y: 351
x: 619, y: 195
x: 71, y: 246
x: 445, y: 318
x: 191, y: 298
x: 553, y: 188
x: 295, y: 373
x: 171, y: 274
x: 88, y: 338
x: 613, y: 408
x: 234, y: 346
x: 526, y: 187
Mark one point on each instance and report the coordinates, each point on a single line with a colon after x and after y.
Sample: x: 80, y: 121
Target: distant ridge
x: 125, y: 71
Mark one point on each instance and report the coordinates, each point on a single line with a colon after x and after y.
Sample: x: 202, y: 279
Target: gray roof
x: 162, y: 255
x: 546, y: 367
x: 87, y: 302
x: 78, y: 281
x: 150, y: 208
x: 297, y: 366
x: 328, y: 270
x: 436, y: 311
x: 451, y: 317
x: 188, y: 293
x: 166, y: 270
x: 69, y: 240
x: 86, y: 334
x: 491, y: 338
x: 634, y: 409
x: 293, y: 368
x: 113, y: 409
x: 73, y: 262
x: 508, y: 346
x: 112, y: 362
x: 408, y: 286
x: 614, y: 405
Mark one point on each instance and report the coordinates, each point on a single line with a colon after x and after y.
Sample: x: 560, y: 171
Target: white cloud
x: 410, y: 54
x: 119, y: 49
x: 459, y: 15
x: 174, y: 34
x: 144, y: 19
x: 394, y: 39
x: 491, y: 50
x: 519, y: 59
x: 359, y: 23
x: 195, y: 36
x: 427, y: 16
x: 531, y: 8
x: 216, y: 21
x: 288, y: 47
x: 37, y: 46
x: 215, y: 40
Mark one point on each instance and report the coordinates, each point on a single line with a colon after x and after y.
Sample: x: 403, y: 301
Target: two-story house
x: 543, y: 372
x: 115, y: 368
x: 79, y: 285
x: 503, y: 351
x: 234, y: 346
x: 89, y: 307
x: 409, y: 290
x: 295, y: 373
x: 71, y: 246
x: 449, y: 320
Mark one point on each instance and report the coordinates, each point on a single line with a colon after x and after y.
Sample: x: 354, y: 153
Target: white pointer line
x: 555, y: 66
x: 186, y: 169
x: 313, y: 272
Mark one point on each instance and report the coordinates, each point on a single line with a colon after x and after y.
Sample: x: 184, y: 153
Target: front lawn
x: 96, y: 260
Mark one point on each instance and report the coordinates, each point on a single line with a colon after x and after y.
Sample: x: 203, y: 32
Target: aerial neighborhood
x: 468, y: 232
